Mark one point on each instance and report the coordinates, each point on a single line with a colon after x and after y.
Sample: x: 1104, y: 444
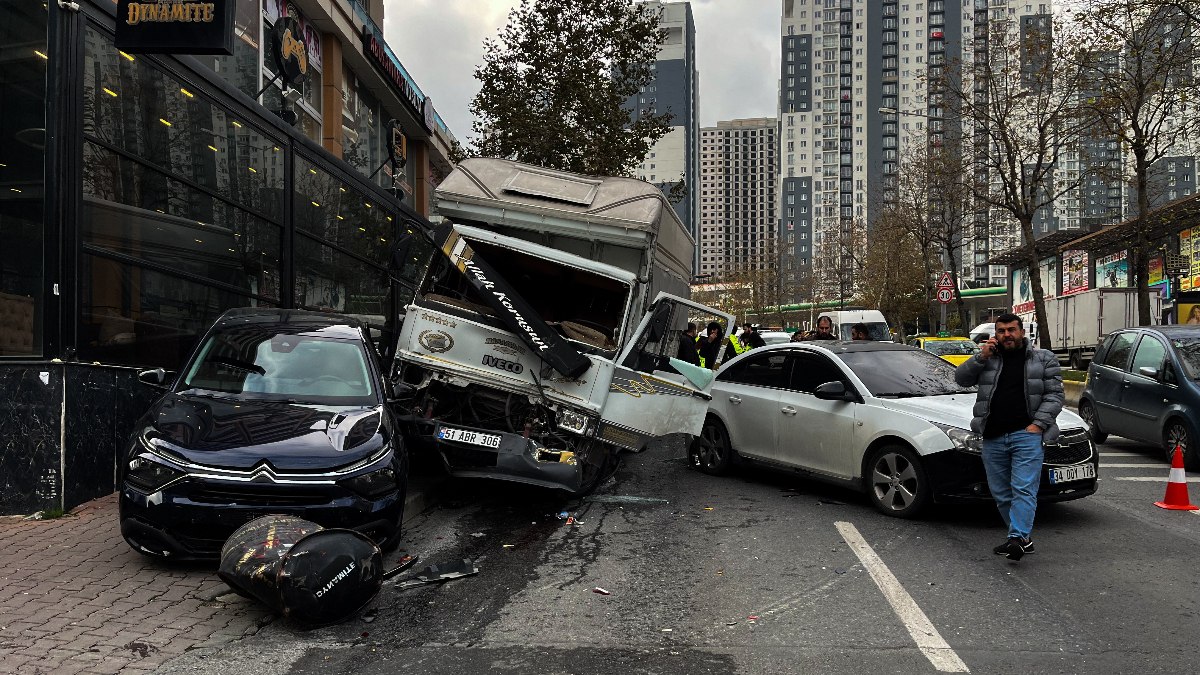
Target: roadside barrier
x: 1177, y: 492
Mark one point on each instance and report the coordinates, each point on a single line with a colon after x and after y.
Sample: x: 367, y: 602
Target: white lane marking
x: 1130, y: 466
x: 1148, y: 479
x: 928, y: 640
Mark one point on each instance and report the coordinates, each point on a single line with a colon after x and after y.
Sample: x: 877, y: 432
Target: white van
x: 877, y: 326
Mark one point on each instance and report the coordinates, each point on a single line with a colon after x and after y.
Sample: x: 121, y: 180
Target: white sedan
x: 882, y: 418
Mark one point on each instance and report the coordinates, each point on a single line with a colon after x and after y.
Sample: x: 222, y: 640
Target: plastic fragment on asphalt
x: 668, y: 630
x: 571, y: 520
x: 478, y: 534
x: 708, y: 508
x: 600, y: 591
x: 562, y: 514
x: 752, y: 618
x: 508, y: 545
x: 440, y: 572
x: 839, y: 570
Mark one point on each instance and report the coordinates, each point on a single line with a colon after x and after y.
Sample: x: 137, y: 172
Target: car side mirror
x: 1147, y: 371
x: 156, y: 378
x: 833, y: 391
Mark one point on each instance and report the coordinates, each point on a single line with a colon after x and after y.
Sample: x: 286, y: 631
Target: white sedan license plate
x: 1066, y: 474
x: 472, y: 437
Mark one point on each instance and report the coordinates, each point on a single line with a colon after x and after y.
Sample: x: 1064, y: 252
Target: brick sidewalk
x: 75, y: 598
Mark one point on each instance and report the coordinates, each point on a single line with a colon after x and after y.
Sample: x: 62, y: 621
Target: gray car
x: 1142, y: 384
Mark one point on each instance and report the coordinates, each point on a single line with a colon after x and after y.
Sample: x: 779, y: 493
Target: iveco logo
x: 510, y: 366
x: 436, y: 341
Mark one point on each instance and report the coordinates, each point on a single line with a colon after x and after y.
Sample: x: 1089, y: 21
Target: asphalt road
x: 766, y: 573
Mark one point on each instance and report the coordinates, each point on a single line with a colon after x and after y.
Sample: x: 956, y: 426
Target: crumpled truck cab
x: 543, y: 338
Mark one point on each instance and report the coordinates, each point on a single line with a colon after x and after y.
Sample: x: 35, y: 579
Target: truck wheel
x: 596, y: 463
x: 1088, y: 412
x: 1076, y: 360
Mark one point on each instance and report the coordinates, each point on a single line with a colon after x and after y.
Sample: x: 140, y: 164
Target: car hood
x: 955, y: 410
x: 238, y: 433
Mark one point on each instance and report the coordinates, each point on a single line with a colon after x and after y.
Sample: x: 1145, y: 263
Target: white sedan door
x: 748, y: 396
x: 815, y: 434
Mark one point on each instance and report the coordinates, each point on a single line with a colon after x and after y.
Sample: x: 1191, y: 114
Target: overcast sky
x: 441, y: 41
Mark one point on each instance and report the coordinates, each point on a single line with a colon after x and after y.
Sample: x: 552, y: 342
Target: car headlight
x: 372, y: 485
x: 575, y: 422
x: 149, y: 475
x: 963, y: 439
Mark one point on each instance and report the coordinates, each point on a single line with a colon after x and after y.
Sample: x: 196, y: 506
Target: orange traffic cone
x: 1177, y: 495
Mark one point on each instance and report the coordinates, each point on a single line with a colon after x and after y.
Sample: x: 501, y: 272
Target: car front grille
x: 1072, y: 447
x: 255, y: 496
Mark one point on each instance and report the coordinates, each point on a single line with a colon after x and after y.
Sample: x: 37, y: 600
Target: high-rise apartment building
x: 854, y: 92
x: 675, y: 88
x: 738, y: 221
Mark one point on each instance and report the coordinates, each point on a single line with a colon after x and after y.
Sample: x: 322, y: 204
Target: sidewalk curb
x: 1071, y: 392
x: 424, y: 492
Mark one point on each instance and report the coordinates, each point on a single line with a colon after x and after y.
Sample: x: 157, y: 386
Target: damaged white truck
x: 543, y: 339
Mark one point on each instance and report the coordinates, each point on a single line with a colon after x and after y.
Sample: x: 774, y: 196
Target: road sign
x: 945, y: 281
x: 945, y: 295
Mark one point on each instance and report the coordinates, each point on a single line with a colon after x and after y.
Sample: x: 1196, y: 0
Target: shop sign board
x: 377, y: 53
x: 175, y: 26
x: 1022, y: 286
x: 291, y: 53
x: 1075, y: 272
x: 1112, y: 271
x: 1189, y: 246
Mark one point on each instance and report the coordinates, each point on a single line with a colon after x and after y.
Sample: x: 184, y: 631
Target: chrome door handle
x: 735, y: 399
x: 787, y: 410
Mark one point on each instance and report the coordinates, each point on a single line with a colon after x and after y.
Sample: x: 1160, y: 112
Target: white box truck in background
x: 1079, y: 322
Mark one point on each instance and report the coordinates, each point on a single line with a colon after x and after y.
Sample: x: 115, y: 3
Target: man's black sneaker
x: 1026, y: 547
x: 1013, y: 549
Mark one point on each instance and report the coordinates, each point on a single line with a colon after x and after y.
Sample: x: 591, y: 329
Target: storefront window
x: 341, y: 215
x: 22, y: 175
x: 132, y: 106
x: 366, y: 153
x: 242, y: 68
x: 136, y: 316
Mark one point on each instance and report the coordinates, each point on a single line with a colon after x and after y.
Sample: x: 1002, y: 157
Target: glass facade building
x: 142, y: 196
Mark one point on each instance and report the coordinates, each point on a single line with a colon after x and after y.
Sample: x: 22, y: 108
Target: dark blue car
x: 1143, y: 384
x: 277, y: 412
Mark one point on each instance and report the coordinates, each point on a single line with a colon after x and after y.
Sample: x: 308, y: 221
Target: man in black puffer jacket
x: 1020, y: 396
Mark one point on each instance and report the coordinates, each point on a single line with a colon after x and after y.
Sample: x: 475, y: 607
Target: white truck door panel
x: 644, y: 399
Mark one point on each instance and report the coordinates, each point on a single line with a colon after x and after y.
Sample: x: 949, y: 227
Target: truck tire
x: 598, y: 461
x: 1076, y: 360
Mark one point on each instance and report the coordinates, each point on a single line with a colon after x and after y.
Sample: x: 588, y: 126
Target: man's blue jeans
x: 1014, y: 471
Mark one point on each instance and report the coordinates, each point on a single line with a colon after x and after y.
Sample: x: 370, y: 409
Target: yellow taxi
x: 952, y: 349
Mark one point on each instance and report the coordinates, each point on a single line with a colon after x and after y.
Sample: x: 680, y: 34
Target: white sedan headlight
x: 963, y: 439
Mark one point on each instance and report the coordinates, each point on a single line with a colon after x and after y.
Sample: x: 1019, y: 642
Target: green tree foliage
x: 556, y: 78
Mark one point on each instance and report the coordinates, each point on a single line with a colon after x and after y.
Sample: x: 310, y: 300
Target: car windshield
x: 1188, y: 349
x: 903, y: 373
x: 951, y: 347
x: 269, y: 365
x: 875, y: 331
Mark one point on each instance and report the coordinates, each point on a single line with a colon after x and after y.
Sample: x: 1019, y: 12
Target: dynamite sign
x: 175, y: 27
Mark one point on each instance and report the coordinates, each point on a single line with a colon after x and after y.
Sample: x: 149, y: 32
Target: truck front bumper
x: 516, y: 458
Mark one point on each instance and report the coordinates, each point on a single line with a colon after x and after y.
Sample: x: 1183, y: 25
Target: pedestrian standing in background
x: 750, y: 337
x: 710, y: 346
x: 689, y: 346
x: 824, y: 329
x: 1020, y: 396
